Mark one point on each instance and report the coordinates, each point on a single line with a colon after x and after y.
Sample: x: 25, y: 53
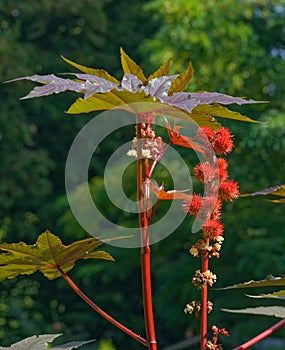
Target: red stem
x: 143, y: 200
x: 261, y: 336
x: 101, y: 312
x: 204, y: 305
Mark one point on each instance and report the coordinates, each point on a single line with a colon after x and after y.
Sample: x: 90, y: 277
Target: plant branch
x: 204, y: 304
x: 261, y: 336
x: 102, y: 312
x: 143, y: 206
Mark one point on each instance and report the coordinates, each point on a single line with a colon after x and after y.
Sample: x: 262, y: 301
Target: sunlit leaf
x: 98, y: 72
x: 129, y: 66
x: 277, y: 200
x: 269, y: 281
x: 164, y: 69
x: 181, y: 82
x: 222, y: 112
x: 275, y: 295
x: 36, y: 342
x: 276, y: 311
x: 167, y: 195
x: 48, y: 255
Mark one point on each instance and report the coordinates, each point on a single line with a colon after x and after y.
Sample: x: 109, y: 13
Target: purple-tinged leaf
x: 94, y: 88
x: 180, y: 100
x: 45, y: 79
x: 131, y: 83
x: 52, y: 85
x: 93, y: 79
x: 278, y: 190
x: 216, y: 97
x: 158, y: 87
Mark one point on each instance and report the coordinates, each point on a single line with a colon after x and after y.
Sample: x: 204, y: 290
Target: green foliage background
x: 236, y: 48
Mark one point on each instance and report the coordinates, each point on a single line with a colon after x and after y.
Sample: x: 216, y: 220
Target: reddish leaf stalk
x: 204, y: 304
x: 261, y: 336
x: 102, y: 312
x: 143, y: 204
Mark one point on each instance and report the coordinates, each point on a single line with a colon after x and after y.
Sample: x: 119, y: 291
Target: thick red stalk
x: 103, y: 313
x: 204, y: 305
x: 261, y: 336
x: 145, y: 248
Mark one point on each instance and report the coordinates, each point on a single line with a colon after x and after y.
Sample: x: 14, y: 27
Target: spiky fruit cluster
x: 221, y: 188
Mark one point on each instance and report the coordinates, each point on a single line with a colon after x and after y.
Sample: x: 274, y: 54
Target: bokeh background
x: 236, y: 47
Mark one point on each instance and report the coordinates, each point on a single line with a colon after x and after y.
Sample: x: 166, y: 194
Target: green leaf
x: 36, y: 342
x: 223, y: 112
x: 275, y: 295
x: 129, y: 66
x: 181, y: 82
x: 98, y: 72
x: 276, y: 311
x: 269, y: 281
x: 48, y: 256
x: 163, y: 70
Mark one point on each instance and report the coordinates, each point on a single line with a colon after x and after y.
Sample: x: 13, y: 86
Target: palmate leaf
x: 40, y: 342
x: 129, y: 66
x: 269, y: 281
x: 101, y: 73
x: 181, y: 82
x: 48, y: 255
x: 276, y: 311
x: 101, y: 92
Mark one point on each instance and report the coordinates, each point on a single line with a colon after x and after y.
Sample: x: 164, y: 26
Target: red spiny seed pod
x: 223, y: 141
x: 229, y: 190
x: 212, y: 229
